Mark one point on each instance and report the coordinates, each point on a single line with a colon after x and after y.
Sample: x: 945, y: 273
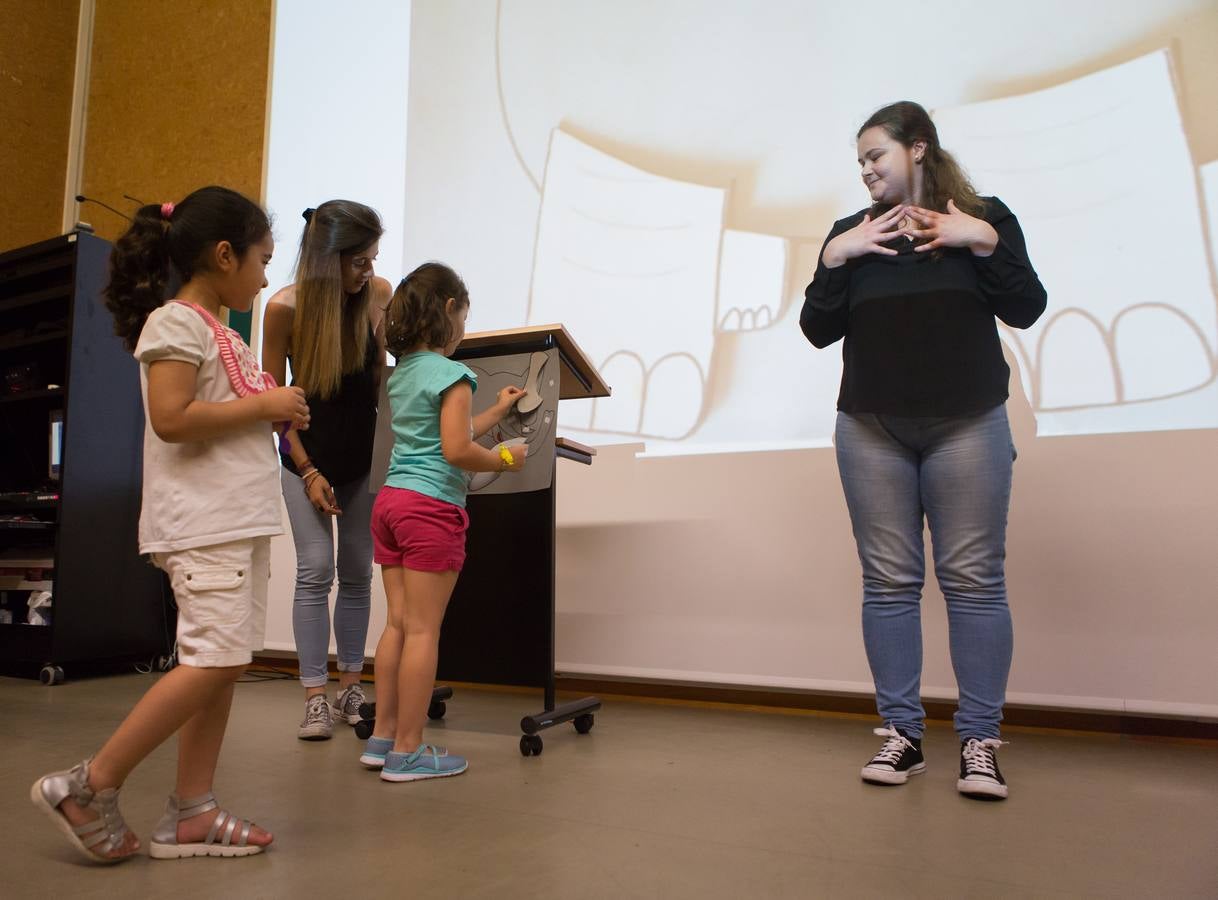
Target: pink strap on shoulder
x: 244, y: 373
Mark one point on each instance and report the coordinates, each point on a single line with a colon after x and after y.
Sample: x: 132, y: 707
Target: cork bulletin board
x: 177, y: 100
x: 37, y: 65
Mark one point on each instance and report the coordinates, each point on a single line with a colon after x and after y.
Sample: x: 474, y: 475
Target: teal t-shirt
x: 416, y: 390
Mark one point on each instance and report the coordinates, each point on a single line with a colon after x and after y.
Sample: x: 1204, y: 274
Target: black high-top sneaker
x: 979, y: 773
x: 899, y: 758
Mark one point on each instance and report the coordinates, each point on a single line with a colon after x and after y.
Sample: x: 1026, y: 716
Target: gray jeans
x: 313, y: 534
x: 954, y: 475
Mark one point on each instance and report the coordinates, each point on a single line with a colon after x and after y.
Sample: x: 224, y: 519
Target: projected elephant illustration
x: 642, y: 269
x: 673, y: 232
x: 1132, y: 327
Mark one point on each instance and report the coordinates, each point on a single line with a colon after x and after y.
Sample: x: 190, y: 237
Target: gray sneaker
x: 347, y: 704
x: 317, y: 725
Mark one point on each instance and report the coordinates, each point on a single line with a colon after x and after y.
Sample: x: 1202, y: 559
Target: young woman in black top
x: 329, y: 324
x: 913, y: 285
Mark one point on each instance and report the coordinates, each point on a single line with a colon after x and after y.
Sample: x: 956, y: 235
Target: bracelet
x: 305, y: 470
x: 311, y: 477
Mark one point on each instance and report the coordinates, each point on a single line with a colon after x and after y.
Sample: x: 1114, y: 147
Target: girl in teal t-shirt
x: 418, y: 519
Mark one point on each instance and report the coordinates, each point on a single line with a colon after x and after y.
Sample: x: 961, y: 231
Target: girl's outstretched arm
x: 178, y: 417
x: 489, y: 418
x: 456, y: 442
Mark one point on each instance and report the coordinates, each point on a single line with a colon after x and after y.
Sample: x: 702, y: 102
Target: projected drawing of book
x: 641, y: 268
x: 1099, y: 173
x: 1209, y: 187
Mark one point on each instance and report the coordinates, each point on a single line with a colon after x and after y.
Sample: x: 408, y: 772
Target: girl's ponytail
x: 139, y: 273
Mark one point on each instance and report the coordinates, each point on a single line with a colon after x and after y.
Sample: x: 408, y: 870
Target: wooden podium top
x: 579, y: 378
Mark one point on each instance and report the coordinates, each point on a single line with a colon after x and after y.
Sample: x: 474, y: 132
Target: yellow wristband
x: 506, y: 455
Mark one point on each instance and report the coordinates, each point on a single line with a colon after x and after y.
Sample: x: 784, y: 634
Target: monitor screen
x: 55, y: 456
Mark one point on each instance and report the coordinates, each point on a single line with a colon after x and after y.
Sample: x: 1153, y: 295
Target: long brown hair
x: 943, y: 179
x: 167, y: 241
x: 417, y: 314
x: 330, y: 330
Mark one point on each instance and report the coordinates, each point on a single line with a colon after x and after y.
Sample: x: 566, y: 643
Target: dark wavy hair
x: 943, y: 179
x: 156, y: 248
x: 416, y: 315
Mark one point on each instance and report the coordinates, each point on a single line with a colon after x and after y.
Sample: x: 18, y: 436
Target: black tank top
x: 341, y: 428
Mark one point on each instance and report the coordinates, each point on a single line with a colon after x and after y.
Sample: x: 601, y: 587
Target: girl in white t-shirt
x: 210, y: 505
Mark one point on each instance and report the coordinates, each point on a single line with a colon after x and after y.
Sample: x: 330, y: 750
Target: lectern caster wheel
x: 584, y: 723
x: 436, y: 711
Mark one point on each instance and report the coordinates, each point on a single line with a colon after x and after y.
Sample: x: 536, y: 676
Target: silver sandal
x: 103, y: 835
x: 165, y: 844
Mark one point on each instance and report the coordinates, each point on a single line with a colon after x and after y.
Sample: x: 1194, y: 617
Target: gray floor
x: 658, y: 801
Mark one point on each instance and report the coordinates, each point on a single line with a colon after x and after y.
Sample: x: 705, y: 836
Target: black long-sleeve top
x: 919, y: 329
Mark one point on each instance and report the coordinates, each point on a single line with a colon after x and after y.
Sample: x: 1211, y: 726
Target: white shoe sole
x: 373, y: 762
x: 187, y: 851
x: 314, y: 735
x: 977, y: 788
x: 889, y: 776
x: 414, y: 776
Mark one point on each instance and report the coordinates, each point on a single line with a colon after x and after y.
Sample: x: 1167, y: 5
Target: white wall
x: 740, y: 568
x: 339, y: 82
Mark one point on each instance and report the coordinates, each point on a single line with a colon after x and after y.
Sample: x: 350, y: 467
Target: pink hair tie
x: 166, y: 211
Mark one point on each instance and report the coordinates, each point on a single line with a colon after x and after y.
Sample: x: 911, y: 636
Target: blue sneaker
x: 426, y: 762
x: 374, y: 752
x: 375, y: 749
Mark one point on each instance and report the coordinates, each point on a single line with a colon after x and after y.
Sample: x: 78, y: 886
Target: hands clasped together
x: 950, y: 229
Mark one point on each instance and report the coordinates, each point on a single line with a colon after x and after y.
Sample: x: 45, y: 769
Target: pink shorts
x: 416, y: 531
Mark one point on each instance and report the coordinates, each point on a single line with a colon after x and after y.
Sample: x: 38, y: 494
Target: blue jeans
x: 956, y: 474
x: 313, y: 534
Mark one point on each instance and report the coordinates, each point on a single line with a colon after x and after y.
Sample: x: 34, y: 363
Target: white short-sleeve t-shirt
x: 201, y: 493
